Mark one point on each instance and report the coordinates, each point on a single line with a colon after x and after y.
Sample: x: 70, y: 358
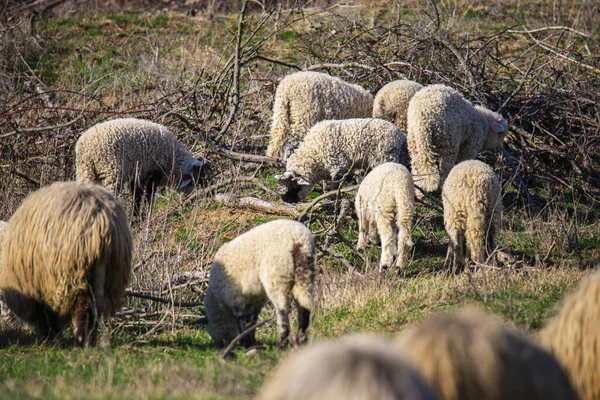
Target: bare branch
x: 163, y: 301
x: 241, y: 336
x: 258, y: 204
x: 42, y: 128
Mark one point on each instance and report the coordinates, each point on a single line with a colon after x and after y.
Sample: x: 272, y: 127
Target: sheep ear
x: 499, y: 126
x: 184, y: 183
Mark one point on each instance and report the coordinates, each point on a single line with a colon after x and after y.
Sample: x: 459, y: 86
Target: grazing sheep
x: 472, y: 213
x: 66, y: 255
x: 573, y: 336
x: 469, y: 355
x: 272, y: 261
x: 385, y: 207
x: 331, y: 148
x: 304, y: 98
x: 443, y: 129
x: 391, y: 102
x: 354, y: 368
x: 136, y: 153
x: 6, y: 316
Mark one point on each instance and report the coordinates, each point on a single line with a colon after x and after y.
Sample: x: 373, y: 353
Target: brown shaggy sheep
x: 355, y: 368
x: 470, y: 355
x: 66, y: 255
x: 573, y: 336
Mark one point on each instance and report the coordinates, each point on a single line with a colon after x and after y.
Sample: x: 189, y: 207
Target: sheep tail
x: 280, y: 126
x: 304, y: 275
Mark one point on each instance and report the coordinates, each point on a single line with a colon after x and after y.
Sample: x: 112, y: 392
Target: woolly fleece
x: 573, y: 336
x: 469, y: 355
x: 304, y: 98
x: 385, y: 207
x: 272, y: 261
x: 443, y: 129
x: 67, y: 242
x: 391, y: 101
x: 357, y: 367
x: 332, y: 147
x: 472, y: 212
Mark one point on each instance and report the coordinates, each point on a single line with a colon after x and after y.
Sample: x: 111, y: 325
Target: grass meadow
x: 67, y: 66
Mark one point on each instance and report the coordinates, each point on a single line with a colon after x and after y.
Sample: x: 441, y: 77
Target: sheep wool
x: 469, y: 355
x: 135, y: 154
x: 5, y: 314
x: 573, y: 336
x: 274, y: 261
x: 391, y: 101
x: 304, y: 98
x: 66, y: 255
x: 331, y: 148
x: 385, y: 207
x: 472, y: 213
x: 443, y: 129
x: 358, y: 367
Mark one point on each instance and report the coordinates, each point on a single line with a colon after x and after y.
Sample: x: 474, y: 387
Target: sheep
x: 391, y: 101
x: 304, y: 98
x: 472, y: 213
x: 359, y: 367
x: 332, y: 148
x: 443, y: 129
x: 272, y: 260
x: 136, y: 153
x: 66, y: 255
x: 573, y: 336
x: 385, y: 207
x: 6, y: 316
x: 469, y: 355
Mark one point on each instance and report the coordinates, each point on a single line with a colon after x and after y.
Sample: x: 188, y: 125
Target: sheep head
x: 196, y: 173
x: 497, y: 129
x: 292, y: 187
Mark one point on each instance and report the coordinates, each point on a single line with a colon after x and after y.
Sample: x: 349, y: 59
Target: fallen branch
x: 245, y: 157
x: 554, y: 28
x: 241, y: 336
x: 42, y: 128
x: 258, y: 205
x: 163, y: 301
x: 438, y: 207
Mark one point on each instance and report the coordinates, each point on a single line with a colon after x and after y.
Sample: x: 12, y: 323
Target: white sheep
x: 443, y: 129
x: 358, y: 367
x: 331, y: 148
x: 272, y: 261
x: 385, y: 207
x: 472, y: 212
x: 137, y: 154
x: 304, y: 98
x: 391, y: 101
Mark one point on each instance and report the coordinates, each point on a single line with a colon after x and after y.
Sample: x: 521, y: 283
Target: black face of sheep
x: 197, y: 175
x: 292, y: 188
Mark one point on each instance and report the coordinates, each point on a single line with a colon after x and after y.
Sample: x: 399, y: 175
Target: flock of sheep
x: 66, y: 252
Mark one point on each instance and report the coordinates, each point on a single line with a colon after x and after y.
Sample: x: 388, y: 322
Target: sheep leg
x: 137, y: 194
x: 303, y: 321
x: 363, y: 225
x: 84, y: 320
x: 386, y: 233
x: 455, y: 256
x: 283, y: 326
x: 476, y: 238
x: 403, y: 241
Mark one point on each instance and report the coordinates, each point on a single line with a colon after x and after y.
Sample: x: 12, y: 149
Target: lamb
x: 304, y: 98
x: 355, y: 368
x: 331, y: 148
x: 385, y: 207
x: 472, y: 213
x: 273, y: 260
x: 66, y: 255
x: 391, y: 101
x: 469, y: 355
x: 443, y: 129
x: 573, y: 336
x: 136, y: 153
